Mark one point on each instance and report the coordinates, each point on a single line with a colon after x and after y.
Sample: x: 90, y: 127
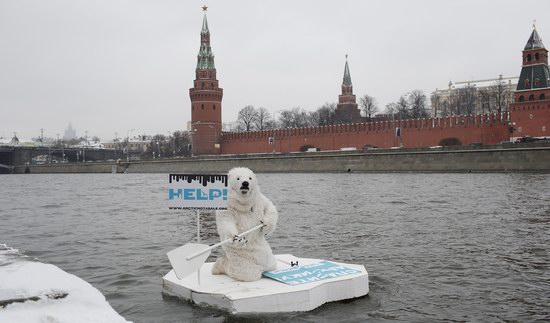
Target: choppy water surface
x: 460, y: 247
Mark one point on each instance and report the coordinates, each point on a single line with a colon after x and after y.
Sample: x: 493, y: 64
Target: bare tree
x: 326, y: 114
x: 247, y: 118
x: 499, y: 91
x: 402, y: 106
x: 485, y: 98
x: 417, y: 104
x: 436, y: 102
x: 391, y: 108
x: 263, y: 119
x: 294, y: 118
x: 313, y: 118
x: 286, y: 119
x: 368, y: 105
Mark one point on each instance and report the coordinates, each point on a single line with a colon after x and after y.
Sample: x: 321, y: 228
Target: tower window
x: 192, y: 108
x: 532, y: 97
x: 521, y: 98
x: 202, y: 106
x: 536, y: 56
x: 541, y: 97
x: 214, y: 107
x: 536, y: 82
x: 526, y: 82
x: 529, y: 58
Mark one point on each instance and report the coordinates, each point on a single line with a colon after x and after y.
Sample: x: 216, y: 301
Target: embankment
x: 498, y: 158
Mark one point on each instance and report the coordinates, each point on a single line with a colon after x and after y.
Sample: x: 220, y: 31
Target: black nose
x: 245, y: 184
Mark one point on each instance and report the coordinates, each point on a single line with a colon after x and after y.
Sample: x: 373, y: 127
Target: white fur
x: 246, y: 259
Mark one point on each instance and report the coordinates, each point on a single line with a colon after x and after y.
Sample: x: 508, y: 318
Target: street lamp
x: 158, y: 148
x: 511, y: 129
x: 173, y: 138
x: 127, y: 144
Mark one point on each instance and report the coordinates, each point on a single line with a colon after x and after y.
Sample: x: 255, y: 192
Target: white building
x: 474, y: 97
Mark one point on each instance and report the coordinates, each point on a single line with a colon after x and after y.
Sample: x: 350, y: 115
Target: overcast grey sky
x: 114, y: 65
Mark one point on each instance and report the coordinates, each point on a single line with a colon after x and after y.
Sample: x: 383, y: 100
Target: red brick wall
x: 486, y: 129
x: 531, y: 118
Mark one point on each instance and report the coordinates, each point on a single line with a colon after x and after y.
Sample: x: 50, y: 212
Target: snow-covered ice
x: 36, y: 292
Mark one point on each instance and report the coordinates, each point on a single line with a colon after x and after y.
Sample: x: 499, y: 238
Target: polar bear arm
x: 226, y: 226
x: 270, y: 216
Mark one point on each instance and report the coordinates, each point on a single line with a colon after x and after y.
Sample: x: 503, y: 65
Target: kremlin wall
x: 529, y: 115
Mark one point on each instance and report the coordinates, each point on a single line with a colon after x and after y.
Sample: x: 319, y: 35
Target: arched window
x: 532, y: 97
x: 202, y: 106
x: 537, y: 81
x: 529, y: 58
x: 541, y: 97
x: 214, y: 107
x: 536, y: 56
x: 521, y: 98
x: 526, y: 82
x: 192, y: 108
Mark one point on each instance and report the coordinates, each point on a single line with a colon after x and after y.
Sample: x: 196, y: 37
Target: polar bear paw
x: 267, y: 228
x: 239, y: 240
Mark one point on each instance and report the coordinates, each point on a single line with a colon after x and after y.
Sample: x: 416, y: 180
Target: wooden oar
x: 190, y: 257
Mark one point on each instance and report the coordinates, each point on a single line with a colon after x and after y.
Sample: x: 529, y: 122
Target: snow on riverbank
x: 36, y: 292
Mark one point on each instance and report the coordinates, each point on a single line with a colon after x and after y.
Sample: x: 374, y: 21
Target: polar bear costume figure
x: 246, y: 258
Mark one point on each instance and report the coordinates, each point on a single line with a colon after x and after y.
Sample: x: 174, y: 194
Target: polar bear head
x: 242, y: 184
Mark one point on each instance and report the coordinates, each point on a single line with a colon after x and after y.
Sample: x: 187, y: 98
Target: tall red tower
x: 206, y: 100
x: 347, y: 110
x: 530, y: 112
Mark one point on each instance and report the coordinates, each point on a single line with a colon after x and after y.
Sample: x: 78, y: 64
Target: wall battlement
x: 425, y: 132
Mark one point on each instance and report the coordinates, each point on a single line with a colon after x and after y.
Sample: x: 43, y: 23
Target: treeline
x: 472, y: 100
x: 410, y: 105
x: 177, y: 144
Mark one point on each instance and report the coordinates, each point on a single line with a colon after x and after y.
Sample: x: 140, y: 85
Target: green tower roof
x: 205, y: 59
x: 534, y: 42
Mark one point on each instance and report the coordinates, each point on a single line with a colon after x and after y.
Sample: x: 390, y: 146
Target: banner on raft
x: 189, y: 191
x: 310, y: 273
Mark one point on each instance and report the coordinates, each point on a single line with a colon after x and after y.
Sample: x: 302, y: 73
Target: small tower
x: 347, y: 110
x: 206, y: 100
x: 530, y: 111
x: 533, y: 80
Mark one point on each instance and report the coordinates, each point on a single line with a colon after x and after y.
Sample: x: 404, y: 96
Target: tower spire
x: 204, y: 21
x: 205, y: 59
x: 347, y: 76
x: 534, y: 42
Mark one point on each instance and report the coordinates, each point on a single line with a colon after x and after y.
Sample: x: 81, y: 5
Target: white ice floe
x: 36, y: 292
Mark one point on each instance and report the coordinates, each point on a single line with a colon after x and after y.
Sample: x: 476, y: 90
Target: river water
x: 457, y: 247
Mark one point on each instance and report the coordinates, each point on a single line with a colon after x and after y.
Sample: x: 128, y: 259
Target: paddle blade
x: 178, y: 259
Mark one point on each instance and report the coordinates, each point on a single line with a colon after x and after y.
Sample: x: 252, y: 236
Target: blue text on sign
x: 197, y: 194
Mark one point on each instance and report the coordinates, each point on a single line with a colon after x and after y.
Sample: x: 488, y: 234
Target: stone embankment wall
x: 498, y: 158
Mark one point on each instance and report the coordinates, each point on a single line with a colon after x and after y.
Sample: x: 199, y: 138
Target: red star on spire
x: 204, y: 8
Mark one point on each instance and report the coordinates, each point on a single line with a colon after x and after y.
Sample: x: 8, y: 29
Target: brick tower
x: 206, y: 100
x: 347, y: 110
x: 530, y: 111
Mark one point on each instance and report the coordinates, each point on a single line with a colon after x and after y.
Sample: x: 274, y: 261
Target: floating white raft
x: 267, y: 295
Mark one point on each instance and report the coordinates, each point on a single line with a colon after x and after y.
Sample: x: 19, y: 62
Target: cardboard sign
x: 197, y: 191
x: 310, y: 273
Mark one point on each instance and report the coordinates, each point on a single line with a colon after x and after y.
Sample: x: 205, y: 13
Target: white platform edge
x: 266, y: 295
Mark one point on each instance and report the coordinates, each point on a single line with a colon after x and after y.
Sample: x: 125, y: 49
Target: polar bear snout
x: 245, y: 187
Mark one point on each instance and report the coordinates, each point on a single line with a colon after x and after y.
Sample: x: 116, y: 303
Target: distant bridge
x: 20, y: 155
